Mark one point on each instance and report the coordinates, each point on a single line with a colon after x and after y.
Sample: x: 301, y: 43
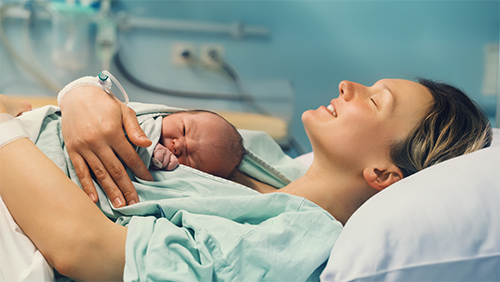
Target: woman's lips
x: 332, y: 110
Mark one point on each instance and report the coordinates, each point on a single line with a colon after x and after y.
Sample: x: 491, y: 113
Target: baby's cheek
x: 182, y: 160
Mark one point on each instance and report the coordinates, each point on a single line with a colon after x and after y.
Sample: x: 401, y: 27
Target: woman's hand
x: 13, y: 107
x: 92, y: 127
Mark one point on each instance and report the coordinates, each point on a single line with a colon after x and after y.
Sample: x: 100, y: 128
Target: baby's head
x: 203, y: 140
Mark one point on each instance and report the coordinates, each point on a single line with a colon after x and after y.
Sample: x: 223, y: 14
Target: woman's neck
x: 334, y: 193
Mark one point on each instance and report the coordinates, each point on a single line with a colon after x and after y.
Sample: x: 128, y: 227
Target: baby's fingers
x: 173, y: 162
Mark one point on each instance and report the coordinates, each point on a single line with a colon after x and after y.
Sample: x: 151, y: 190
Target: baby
x: 200, y: 139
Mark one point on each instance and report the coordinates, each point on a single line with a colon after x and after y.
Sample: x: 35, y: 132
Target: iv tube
x: 103, y: 76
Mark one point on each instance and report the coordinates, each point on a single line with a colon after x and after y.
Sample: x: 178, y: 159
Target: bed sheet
x: 19, y: 258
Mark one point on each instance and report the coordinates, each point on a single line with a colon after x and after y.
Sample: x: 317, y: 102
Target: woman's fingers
x: 83, y: 173
x: 93, y: 124
x: 139, y: 138
x: 107, y: 168
x: 110, y: 174
x: 133, y: 129
x: 118, y: 173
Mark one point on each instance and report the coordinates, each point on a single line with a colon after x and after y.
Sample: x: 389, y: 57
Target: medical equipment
x: 70, y: 23
x: 103, y: 81
x: 32, y: 67
x: 242, y: 94
x: 70, y: 33
x: 71, y: 29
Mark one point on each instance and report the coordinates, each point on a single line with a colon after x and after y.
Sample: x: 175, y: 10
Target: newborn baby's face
x: 197, y: 140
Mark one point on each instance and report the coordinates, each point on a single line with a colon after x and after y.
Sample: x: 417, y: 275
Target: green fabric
x: 192, y: 226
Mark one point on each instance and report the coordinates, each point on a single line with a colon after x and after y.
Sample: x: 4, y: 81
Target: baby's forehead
x: 198, y: 114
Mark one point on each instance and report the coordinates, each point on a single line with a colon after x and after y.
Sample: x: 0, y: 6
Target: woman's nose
x: 349, y: 90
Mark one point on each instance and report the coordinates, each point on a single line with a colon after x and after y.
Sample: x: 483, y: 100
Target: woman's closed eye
x: 374, y: 102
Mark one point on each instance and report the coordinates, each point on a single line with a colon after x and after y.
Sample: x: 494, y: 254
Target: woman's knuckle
x: 128, y: 194
x: 80, y: 172
x: 130, y: 111
x: 91, y: 138
x: 130, y: 160
x: 100, y: 173
x: 116, y: 172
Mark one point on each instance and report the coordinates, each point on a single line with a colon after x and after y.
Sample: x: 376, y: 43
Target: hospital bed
x: 441, y: 224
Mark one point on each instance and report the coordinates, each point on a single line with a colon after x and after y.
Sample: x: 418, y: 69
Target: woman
x: 367, y: 139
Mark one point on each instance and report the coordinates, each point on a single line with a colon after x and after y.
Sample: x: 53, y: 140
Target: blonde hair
x: 454, y: 125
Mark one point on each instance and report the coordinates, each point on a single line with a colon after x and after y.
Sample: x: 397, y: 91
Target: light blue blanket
x: 192, y: 226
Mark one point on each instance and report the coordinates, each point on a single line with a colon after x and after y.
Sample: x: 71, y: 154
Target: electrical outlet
x: 211, y: 55
x: 183, y: 54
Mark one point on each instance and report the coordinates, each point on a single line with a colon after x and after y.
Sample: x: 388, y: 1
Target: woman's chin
x: 307, y: 115
x: 309, y: 118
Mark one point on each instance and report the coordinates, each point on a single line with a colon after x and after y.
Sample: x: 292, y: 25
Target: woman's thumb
x: 133, y: 129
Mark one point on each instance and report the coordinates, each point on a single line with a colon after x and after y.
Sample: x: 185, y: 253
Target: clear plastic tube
x: 104, y: 75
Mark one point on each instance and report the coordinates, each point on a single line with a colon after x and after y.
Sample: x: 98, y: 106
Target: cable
x: 234, y: 74
x: 246, y: 98
x: 172, y: 92
x: 231, y: 71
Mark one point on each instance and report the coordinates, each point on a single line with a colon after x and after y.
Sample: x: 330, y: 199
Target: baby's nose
x: 179, y: 146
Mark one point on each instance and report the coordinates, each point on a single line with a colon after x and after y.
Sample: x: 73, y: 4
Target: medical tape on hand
x: 83, y: 81
x: 11, y: 129
x: 103, y: 81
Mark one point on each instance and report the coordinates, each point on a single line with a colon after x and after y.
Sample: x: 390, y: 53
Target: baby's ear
x: 380, y: 179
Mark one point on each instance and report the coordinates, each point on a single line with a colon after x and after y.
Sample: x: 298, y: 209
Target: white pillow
x: 306, y: 158
x: 441, y: 224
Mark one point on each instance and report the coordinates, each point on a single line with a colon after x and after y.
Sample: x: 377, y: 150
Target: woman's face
x: 359, y: 126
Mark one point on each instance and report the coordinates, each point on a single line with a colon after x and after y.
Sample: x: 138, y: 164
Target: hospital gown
x: 192, y: 226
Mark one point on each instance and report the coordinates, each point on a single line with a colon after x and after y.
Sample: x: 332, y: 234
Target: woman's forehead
x: 411, y: 94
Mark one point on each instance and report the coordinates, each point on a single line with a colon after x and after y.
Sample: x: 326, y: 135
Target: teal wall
x: 314, y: 45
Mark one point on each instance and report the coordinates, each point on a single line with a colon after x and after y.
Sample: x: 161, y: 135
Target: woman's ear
x: 380, y: 179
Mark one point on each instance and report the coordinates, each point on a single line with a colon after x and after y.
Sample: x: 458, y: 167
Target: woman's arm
x: 92, y: 126
x: 69, y: 230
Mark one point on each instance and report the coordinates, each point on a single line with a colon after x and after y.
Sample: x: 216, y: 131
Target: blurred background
x: 276, y: 58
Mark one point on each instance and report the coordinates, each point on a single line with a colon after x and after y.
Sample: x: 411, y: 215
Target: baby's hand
x: 163, y: 158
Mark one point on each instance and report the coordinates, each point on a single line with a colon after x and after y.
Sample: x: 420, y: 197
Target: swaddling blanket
x: 192, y: 226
